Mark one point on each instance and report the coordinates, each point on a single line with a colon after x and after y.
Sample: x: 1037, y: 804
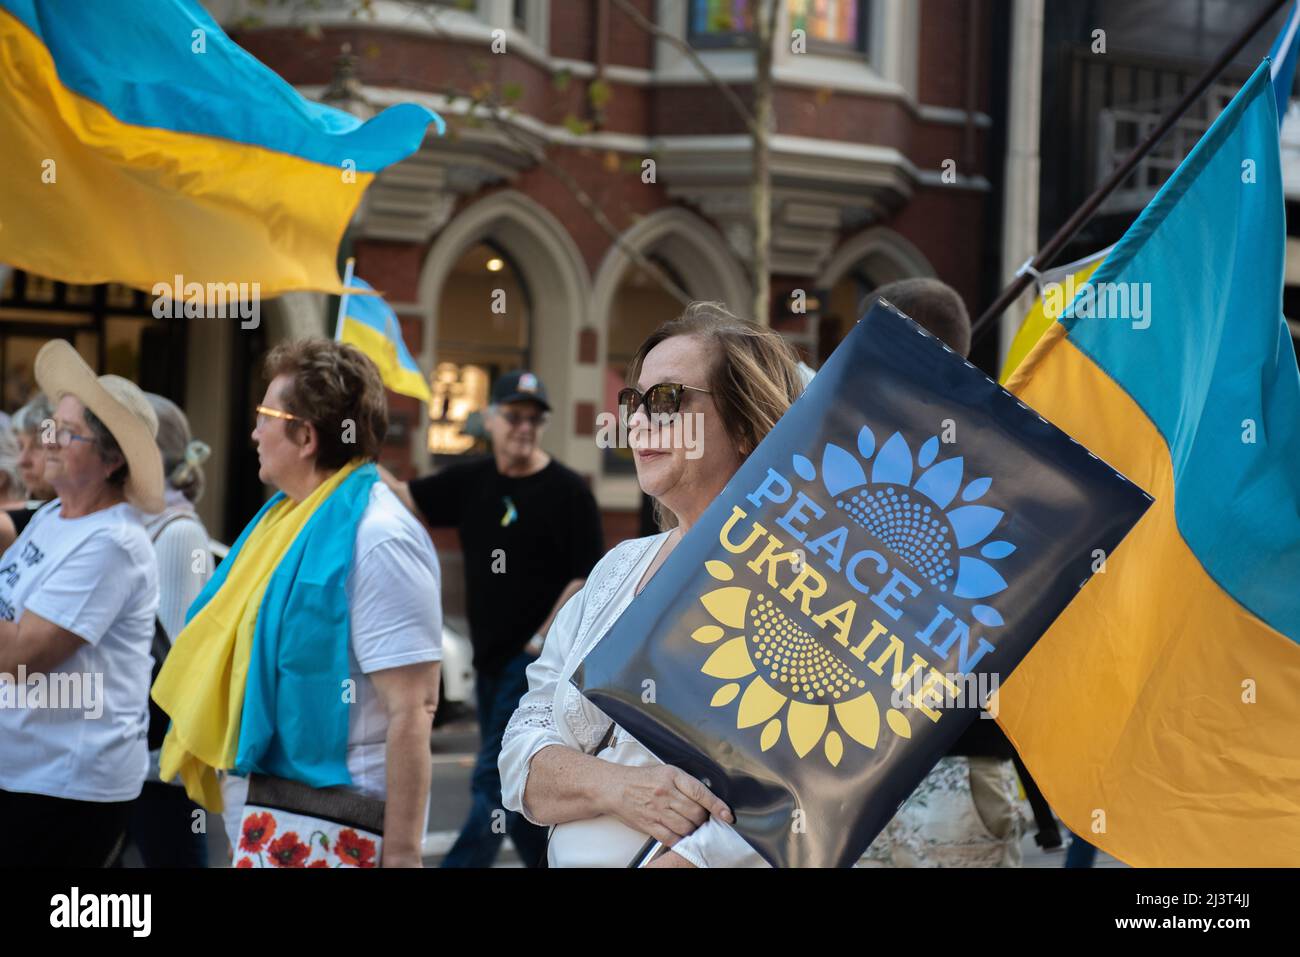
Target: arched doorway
x: 475, y: 345
x: 504, y: 287
x: 862, y: 264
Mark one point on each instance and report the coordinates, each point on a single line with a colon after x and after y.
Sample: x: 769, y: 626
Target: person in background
x: 334, y: 701
x: 964, y: 812
x: 162, y: 818
x: 78, y: 597
x: 13, y: 493
x: 28, y: 424
x: 530, y: 532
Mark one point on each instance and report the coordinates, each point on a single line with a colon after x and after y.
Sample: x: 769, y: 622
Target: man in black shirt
x: 530, y: 533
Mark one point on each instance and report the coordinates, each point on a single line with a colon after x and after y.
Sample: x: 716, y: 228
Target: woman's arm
x: 409, y: 695
x: 35, y: 643
x: 661, y: 801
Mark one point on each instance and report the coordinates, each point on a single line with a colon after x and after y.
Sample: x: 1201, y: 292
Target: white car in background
x: 457, y: 681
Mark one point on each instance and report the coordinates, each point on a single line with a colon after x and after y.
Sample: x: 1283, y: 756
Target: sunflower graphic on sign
x: 787, y: 676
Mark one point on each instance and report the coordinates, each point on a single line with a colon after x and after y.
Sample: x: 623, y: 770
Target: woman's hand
x: 662, y: 801
x: 670, y: 859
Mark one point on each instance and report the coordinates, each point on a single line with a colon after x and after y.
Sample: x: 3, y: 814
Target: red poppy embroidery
x: 288, y: 851
x: 354, y: 849
x: 318, y: 864
x: 258, y: 829
x: 245, y: 862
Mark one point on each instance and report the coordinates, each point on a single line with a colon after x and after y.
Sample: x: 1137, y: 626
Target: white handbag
x: 603, y: 841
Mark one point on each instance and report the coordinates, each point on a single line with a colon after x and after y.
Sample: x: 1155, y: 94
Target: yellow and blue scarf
x: 257, y: 679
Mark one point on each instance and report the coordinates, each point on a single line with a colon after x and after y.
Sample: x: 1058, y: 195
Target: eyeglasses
x: 65, y: 436
x: 264, y: 411
x: 516, y: 419
x: 662, y: 399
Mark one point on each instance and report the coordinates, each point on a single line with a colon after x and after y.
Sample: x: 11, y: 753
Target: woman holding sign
x: 563, y: 762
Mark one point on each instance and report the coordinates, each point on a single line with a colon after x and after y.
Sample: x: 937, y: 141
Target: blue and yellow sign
x: 840, y: 613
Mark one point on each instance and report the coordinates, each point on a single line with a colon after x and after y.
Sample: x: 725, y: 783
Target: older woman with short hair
x: 78, y: 595
x: 563, y: 762
x: 325, y: 754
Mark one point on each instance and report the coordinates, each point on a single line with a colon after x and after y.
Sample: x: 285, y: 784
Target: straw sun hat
x: 120, y: 405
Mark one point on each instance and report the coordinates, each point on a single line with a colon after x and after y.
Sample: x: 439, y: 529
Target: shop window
x: 484, y: 330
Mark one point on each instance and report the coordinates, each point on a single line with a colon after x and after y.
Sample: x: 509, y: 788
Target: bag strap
x: 161, y: 641
x: 174, y: 517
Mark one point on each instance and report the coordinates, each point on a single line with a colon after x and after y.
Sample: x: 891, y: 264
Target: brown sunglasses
x: 662, y: 399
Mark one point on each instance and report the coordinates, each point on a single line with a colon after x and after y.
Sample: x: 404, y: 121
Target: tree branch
x: 496, y: 113
x: 502, y: 122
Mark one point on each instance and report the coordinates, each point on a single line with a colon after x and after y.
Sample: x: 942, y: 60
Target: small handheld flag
x: 370, y: 324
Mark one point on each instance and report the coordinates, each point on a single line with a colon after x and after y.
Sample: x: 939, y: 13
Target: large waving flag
x: 138, y: 143
x: 370, y: 324
x: 1160, y: 713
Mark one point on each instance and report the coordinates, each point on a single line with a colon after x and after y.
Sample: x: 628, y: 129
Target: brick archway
x: 551, y: 266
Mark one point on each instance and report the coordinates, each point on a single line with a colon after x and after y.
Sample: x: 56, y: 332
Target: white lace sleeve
x: 532, y: 726
x: 715, y: 844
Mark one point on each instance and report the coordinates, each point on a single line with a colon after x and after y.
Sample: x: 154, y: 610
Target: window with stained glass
x: 834, y: 23
x: 720, y: 22
x: 828, y: 24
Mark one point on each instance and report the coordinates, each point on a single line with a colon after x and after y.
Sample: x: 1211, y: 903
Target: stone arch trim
x: 694, y: 248
x: 552, y: 268
x: 883, y: 244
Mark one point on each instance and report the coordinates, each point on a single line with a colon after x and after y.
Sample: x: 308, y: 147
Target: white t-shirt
x: 96, y: 577
x: 395, y: 607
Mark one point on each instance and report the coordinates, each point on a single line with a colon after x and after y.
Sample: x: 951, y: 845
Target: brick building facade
x: 882, y: 161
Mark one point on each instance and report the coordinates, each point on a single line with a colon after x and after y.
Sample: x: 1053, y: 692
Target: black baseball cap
x: 519, y: 386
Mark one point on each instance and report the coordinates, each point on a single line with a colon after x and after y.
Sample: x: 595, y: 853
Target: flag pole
x: 1043, y: 258
x: 343, y: 299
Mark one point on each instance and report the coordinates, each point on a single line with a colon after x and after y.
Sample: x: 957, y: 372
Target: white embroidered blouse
x: 553, y: 711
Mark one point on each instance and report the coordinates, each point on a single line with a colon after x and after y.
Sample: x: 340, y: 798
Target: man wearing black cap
x: 530, y: 532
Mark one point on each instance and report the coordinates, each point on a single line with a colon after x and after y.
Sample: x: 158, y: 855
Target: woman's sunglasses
x: 662, y: 399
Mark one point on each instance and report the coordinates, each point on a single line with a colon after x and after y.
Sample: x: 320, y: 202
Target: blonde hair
x: 754, y: 377
x: 182, y: 454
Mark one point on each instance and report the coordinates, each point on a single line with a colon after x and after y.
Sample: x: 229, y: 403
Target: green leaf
x: 560, y: 81
x: 576, y: 126
x: 599, y: 94
x: 510, y: 92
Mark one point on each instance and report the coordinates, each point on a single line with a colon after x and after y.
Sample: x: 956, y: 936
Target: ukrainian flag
x: 1160, y: 713
x: 370, y: 324
x: 138, y: 143
x: 1047, y: 308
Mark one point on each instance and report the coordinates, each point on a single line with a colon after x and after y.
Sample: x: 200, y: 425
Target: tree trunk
x: 764, y: 16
